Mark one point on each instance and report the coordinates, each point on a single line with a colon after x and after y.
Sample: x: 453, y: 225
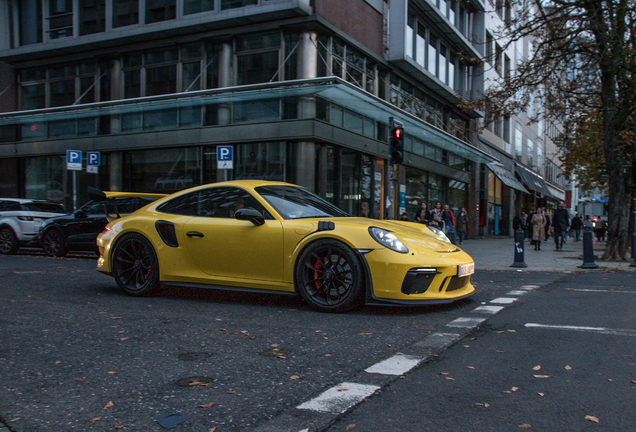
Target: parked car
x: 268, y: 236
x: 77, y: 231
x: 20, y: 221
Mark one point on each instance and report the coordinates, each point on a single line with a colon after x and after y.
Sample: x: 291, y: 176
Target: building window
x: 160, y: 10
x: 125, y: 13
x: 257, y: 58
x: 30, y: 16
x: 233, y: 4
x: 92, y: 17
x: 518, y: 142
x: 506, y: 133
x: 432, y: 55
x: 530, y: 151
x: 540, y: 156
x: 60, y: 18
x: 197, y: 6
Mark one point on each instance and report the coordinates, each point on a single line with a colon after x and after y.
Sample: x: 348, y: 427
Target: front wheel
x: 329, y: 276
x: 8, y: 242
x: 135, y: 266
x: 53, y: 243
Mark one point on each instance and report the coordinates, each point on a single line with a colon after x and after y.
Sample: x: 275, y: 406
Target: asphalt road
x: 78, y: 355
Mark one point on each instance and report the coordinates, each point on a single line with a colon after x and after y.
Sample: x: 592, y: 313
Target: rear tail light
x: 106, y: 229
x: 26, y: 218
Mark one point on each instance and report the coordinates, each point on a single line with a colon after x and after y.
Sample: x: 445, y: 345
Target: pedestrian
x: 561, y: 222
x: 538, y: 228
x: 577, y: 224
x: 587, y: 223
x: 449, y: 219
x: 601, y: 228
x: 404, y: 217
x: 462, y: 223
x: 437, y: 216
x: 423, y: 215
x: 547, y: 225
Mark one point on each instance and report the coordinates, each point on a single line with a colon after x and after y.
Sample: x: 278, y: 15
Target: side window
x: 3, y: 206
x: 93, y: 208
x: 221, y: 202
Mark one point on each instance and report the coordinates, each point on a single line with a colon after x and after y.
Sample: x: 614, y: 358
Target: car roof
x: 252, y: 183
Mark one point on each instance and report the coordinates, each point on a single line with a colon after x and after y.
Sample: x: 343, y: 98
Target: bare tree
x: 582, y: 68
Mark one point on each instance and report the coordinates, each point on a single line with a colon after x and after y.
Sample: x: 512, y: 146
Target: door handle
x: 194, y: 234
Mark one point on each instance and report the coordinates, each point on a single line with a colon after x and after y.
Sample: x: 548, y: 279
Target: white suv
x: 20, y: 221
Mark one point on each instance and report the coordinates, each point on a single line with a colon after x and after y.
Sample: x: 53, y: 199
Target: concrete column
x: 115, y: 167
x: 116, y: 92
x: 307, y: 67
x: 225, y: 80
x: 323, y: 166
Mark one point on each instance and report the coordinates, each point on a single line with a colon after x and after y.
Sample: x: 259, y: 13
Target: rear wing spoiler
x: 109, y: 197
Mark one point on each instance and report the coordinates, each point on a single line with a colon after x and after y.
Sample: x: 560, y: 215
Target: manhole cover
x: 194, y: 356
x: 197, y: 381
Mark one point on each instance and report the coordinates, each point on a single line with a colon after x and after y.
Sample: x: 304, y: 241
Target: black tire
x: 53, y: 243
x: 329, y: 276
x: 8, y: 242
x: 135, y: 266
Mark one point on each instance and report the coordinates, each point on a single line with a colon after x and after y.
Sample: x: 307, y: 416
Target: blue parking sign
x: 224, y: 157
x: 74, y: 160
x: 93, y: 158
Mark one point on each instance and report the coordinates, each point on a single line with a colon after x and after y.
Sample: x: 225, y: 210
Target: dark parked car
x: 78, y: 231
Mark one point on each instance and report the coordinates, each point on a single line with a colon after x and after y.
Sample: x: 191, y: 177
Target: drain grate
x: 194, y: 356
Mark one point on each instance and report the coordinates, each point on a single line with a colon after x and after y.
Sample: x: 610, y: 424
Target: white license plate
x: 465, y: 269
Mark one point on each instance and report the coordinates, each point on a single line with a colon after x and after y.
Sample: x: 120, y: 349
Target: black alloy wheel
x: 53, y: 243
x: 135, y: 266
x: 329, y: 276
x: 8, y: 242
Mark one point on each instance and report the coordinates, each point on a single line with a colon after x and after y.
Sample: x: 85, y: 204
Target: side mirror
x: 251, y: 215
x: 80, y: 214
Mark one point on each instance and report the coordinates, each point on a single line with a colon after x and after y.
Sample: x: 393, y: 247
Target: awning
x: 532, y: 181
x: 506, y: 176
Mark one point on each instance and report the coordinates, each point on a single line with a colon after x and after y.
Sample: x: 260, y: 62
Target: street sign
x: 74, y: 160
x: 93, y: 158
x: 224, y: 157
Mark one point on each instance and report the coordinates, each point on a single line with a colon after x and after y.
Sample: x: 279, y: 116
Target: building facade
x: 302, y: 91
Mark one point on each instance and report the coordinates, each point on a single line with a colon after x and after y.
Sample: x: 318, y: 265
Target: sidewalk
x: 498, y: 254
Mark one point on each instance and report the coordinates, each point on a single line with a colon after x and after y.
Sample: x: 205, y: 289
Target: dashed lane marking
x: 529, y: 287
x: 339, y: 398
x: 488, y: 309
x: 503, y: 300
x: 466, y: 322
x: 600, y: 291
x: 516, y: 293
x: 601, y: 330
x: 396, y: 365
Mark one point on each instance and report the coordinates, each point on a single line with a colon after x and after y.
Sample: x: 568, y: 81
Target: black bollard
x: 519, y: 259
x: 588, y: 251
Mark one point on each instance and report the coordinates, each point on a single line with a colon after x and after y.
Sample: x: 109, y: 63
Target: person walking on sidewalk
x: 587, y: 223
x: 461, y: 223
x: 538, y: 228
x: 423, y: 215
x: 561, y: 223
x: 577, y: 224
x: 449, y: 219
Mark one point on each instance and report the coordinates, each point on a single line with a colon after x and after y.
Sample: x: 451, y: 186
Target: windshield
x: 293, y: 202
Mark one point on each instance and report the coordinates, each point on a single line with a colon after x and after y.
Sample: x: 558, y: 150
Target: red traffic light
x: 397, y: 133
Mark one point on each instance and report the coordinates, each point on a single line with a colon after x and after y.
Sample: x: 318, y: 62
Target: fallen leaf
x: 304, y: 430
x: 542, y: 376
x: 444, y: 373
x: 208, y: 405
x: 500, y: 352
x: 79, y: 379
x: 214, y: 428
x: 119, y: 427
x: 197, y: 383
x: 537, y: 367
x: 351, y: 426
x: 96, y: 419
x: 628, y: 356
x: 111, y: 373
x: 512, y: 331
x: 327, y: 355
x: 514, y: 389
x: 525, y: 426
x: 568, y: 368
x: 124, y: 338
x: 274, y: 345
x: 451, y: 379
x: 365, y: 334
x: 633, y: 381
x: 115, y: 317
x: 109, y: 405
x: 541, y: 394
x: 295, y: 377
x: 471, y: 367
x: 342, y: 389
x: 592, y: 418
x: 231, y: 392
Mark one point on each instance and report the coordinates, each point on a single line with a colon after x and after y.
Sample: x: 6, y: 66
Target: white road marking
x: 396, y: 365
x: 437, y: 340
x: 601, y: 330
x: 503, y: 300
x: 529, y: 287
x: 514, y: 293
x: 340, y: 398
x: 466, y: 322
x: 28, y: 272
x: 488, y: 309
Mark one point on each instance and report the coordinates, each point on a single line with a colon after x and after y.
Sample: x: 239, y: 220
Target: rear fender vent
x: 167, y: 233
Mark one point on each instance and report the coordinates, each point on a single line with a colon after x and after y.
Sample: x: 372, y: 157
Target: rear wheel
x: 135, y: 266
x: 53, y: 243
x: 8, y: 241
x: 329, y: 276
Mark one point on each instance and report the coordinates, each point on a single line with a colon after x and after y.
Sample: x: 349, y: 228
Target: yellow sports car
x: 255, y: 235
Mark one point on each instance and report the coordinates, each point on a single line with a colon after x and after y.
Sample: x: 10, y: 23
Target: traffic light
x: 396, y: 142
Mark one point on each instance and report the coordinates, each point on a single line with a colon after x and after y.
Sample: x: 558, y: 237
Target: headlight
x: 387, y: 239
x: 439, y: 233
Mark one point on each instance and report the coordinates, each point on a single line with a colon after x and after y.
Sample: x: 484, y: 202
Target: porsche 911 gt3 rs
x: 258, y: 235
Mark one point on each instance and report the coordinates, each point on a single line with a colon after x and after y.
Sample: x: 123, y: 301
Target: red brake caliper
x: 316, y: 276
